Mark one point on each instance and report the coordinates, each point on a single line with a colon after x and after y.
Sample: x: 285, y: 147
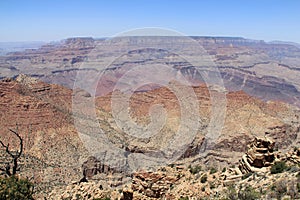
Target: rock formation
x: 260, y: 154
x: 293, y: 156
x: 92, y: 167
x: 153, y: 184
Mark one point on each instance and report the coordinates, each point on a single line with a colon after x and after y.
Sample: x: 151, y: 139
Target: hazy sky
x: 41, y: 20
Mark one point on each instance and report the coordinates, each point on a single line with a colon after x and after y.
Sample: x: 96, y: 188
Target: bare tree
x: 14, y: 155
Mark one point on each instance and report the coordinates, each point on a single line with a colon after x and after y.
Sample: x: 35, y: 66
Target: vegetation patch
x: 15, y: 188
x: 278, y: 167
x: 213, y: 170
x: 195, y: 170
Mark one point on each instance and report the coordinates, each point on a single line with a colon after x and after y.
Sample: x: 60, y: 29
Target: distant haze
x: 6, y: 47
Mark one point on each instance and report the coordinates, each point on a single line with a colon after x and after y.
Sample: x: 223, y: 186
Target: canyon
x: 84, y: 120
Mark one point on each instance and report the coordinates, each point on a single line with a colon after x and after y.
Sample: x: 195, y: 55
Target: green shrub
x: 224, y: 169
x: 203, y: 178
x: 278, y: 167
x: 213, y: 170
x: 273, y: 187
x: 171, y: 165
x: 195, y: 170
x: 231, y: 193
x: 248, y: 193
x: 14, y: 189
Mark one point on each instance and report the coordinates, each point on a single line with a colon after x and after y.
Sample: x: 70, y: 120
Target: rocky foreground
x: 278, y: 179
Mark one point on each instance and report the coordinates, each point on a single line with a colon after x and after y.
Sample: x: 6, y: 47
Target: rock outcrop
x: 153, y: 184
x: 293, y: 156
x: 260, y: 154
x: 92, y: 167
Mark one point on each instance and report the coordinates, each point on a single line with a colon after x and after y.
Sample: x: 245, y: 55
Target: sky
x: 53, y: 20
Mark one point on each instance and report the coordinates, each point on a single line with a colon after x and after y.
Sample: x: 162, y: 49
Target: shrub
x: 278, y: 167
x: 78, y: 196
x: 203, y: 178
x: 213, y: 170
x: 248, y: 193
x: 14, y: 188
x: 224, y: 169
x: 184, y: 198
x: 231, y: 193
x: 195, y: 170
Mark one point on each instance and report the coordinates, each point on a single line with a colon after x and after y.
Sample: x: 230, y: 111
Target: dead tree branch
x: 15, y: 156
